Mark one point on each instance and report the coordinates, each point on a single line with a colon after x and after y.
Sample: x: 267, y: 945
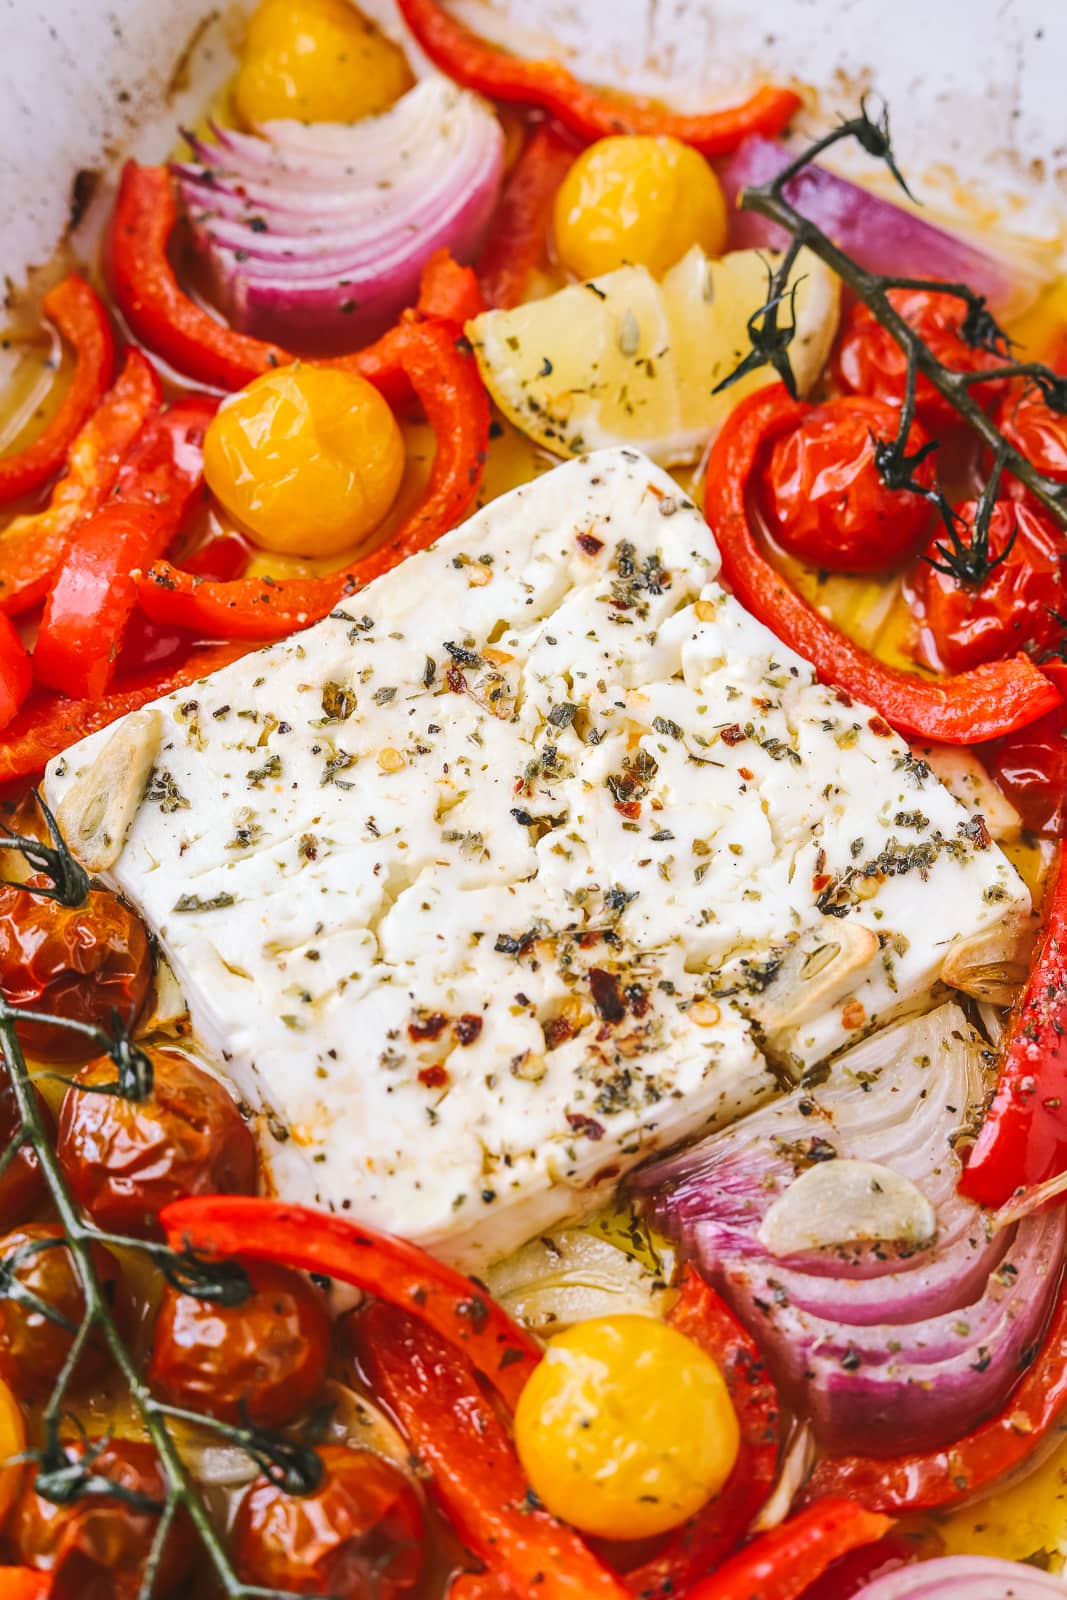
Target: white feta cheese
x: 476, y: 887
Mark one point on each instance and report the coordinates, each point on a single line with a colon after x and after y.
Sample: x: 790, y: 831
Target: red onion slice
x: 878, y: 234
x: 883, y: 1346
x: 317, y: 235
x: 965, y: 1578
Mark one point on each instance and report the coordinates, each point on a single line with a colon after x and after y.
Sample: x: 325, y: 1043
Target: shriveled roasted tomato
x: 96, y: 1547
x: 963, y: 625
x: 265, y: 1359
x: 1031, y: 765
x: 1037, y: 431
x: 869, y: 361
x: 33, y: 1346
x: 823, y: 497
x: 22, y: 1187
x: 359, y: 1536
x: 78, y: 962
x: 126, y: 1159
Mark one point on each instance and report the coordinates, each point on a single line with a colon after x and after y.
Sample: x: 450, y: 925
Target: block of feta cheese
x: 538, y: 855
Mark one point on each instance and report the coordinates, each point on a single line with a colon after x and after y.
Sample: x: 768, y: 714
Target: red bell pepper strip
x: 1023, y: 1139
x: 719, y: 1527
x: 86, y: 613
x: 198, y: 345
x: 16, y: 671
x: 518, y: 235
x: 455, y: 1307
x: 32, y: 546
x: 781, y: 1564
x: 48, y: 723
x: 547, y: 85
x: 457, y: 1436
x: 984, y: 703
x: 445, y: 377
x: 82, y: 319
x: 927, y: 1479
x: 480, y: 1586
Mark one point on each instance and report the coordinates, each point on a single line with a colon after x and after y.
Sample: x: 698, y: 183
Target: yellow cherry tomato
x: 318, y: 61
x: 640, y: 200
x: 626, y: 1427
x: 307, y: 460
x: 12, y: 1442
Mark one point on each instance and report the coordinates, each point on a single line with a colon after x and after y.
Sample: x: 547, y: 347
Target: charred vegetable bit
x: 978, y: 329
x: 65, y: 880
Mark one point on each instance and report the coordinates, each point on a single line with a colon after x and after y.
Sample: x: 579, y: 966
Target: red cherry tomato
x: 869, y: 361
x: 96, y: 1547
x: 824, y: 499
x: 33, y: 1347
x: 79, y: 962
x: 22, y: 1185
x: 127, y: 1159
x: 359, y: 1536
x: 1036, y: 431
x: 265, y: 1358
x: 963, y: 626
x: 1031, y: 765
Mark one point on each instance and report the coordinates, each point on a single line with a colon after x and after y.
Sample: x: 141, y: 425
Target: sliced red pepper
x: 86, y: 613
x: 927, y: 1479
x: 456, y: 1307
x: 445, y: 377
x: 195, y: 343
x: 32, y: 546
x: 550, y: 87
x: 781, y: 1564
x: 48, y: 723
x: 457, y: 1436
x: 518, y: 236
x: 81, y: 317
x: 984, y: 703
x: 1023, y: 1139
x: 719, y: 1527
x: 16, y: 671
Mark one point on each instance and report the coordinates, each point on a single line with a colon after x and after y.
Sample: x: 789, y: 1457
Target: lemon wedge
x: 627, y: 360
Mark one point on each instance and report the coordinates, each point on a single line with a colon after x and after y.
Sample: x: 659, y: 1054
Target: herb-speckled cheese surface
x: 475, y: 888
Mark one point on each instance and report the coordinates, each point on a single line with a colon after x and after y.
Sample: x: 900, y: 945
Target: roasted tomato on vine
x: 824, y: 499
x: 869, y: 361
x: 38, y: 1327
x: 264, y: 1360
x: 80, y: 962
x: 1010, y: 608
x: 96, y: 1546
x: 359, y: 1536
x: 1030, y: 765
x: 22, y: 1185
x: 1036, y: 431
x: 126, y: 1158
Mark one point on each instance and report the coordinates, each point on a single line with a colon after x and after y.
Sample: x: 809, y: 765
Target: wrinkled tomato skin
x: 126, y: 1159
x: 1010, y: 611
x: 264, y: 1360
x: 1030, y: 766
x: 359, y: 1536
x: 33, y: 1348
x: 96, y: 1548
x: 824, y: 500
x: 78, y: 962
x: 1036, y: 431
x: 868, y: 360
x: 22, y: 1186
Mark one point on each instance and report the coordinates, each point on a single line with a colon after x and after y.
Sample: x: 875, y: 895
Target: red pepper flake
x: 431, y: 1025
x: 606, y: 997
x: 456, y: 681
x: 589, y: 545
x: 631, y: 809
x: 467, y: 1027
x: 880, y: 726
x: 434, y: 1077
x: 820, y: 882
x: 853, y: 1015
x: 587, y: 1125
x: 557, y: 1031
x: 745, y: 773
x: 733, y: 735
x: 842, y: 697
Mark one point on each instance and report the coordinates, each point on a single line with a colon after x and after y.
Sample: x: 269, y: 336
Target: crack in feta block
x: 538, y: 855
